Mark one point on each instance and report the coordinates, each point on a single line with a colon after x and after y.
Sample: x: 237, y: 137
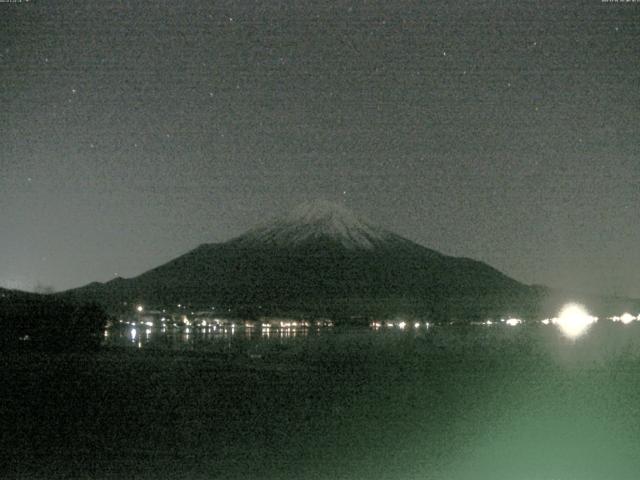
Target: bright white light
x: 416, y: 325
x: 512, y: 322
x: 140, y: 308
x: 134, y: 332
x: 488, y: 322
x: 627, y: 318
x: 574, y: 320
x: 545, y: 321
x: 149, y: 324
x: 402, y: 325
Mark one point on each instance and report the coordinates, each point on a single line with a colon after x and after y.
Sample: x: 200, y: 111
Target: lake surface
x: 446, y: 402
x: 141, y: 335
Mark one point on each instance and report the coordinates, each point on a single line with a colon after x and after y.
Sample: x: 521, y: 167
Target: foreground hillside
x: 46, y: 322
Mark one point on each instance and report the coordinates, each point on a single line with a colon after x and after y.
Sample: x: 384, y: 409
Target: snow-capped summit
x: 319, y: 219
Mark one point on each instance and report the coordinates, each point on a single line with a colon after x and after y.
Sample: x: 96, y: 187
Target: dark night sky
x: 505, y: 131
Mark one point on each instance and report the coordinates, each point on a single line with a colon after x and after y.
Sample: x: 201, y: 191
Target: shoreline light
x: 627, y: 318
x: 574, y: 320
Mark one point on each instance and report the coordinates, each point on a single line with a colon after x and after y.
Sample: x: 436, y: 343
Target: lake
x: 445, y: 402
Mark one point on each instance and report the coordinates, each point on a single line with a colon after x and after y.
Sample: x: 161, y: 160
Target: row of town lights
x: 573, y: 320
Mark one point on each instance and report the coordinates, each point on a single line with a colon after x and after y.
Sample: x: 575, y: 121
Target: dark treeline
x: 46, y: 323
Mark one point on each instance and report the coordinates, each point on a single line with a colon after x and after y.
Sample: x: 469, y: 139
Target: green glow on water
x: 444, y: 403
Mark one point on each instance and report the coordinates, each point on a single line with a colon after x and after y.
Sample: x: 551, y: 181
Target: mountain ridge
x: 320, y: 259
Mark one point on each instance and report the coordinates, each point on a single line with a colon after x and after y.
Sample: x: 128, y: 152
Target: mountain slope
x: 319, y: 259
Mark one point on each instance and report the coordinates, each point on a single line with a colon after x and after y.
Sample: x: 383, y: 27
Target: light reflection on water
x: 186, y: 337
x: 202, y: 334
x: 255, y: 338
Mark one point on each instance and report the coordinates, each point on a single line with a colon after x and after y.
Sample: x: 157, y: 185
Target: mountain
x: 320, y: 260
